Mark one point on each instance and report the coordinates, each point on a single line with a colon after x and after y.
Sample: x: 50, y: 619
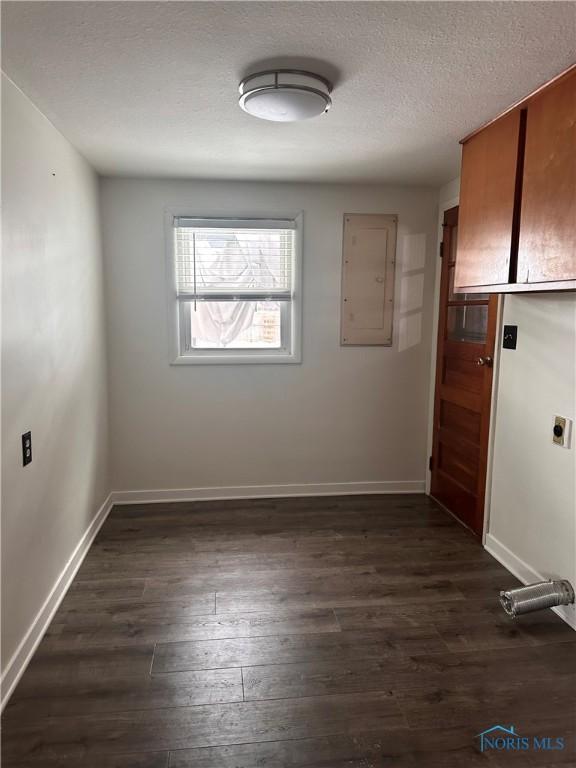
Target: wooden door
x: 547, y: 247
x: 466, y: 341
x: 489, y: 203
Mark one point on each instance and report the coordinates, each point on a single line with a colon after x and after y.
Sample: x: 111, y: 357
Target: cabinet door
x: 487, y: 204
x: 547, y: 246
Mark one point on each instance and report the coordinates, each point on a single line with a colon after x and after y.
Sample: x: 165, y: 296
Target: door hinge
x: 441, y: 250
x: 430, y: 463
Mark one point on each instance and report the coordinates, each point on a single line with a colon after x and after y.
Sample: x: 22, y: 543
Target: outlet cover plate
x: 26, y: 448
x: 510, y: 336
x: 563, y: 440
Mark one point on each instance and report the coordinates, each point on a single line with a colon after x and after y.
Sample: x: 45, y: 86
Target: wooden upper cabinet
x: 518, y: 196
x: 487, y: 200
x: 547, y: 246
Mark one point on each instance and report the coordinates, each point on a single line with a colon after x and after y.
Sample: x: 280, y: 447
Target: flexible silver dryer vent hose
x: 535, y: 597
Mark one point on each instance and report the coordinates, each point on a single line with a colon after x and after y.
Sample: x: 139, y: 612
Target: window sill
x: 232, y: 359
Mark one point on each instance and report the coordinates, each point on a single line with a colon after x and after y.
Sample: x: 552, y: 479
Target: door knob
x: 485, y: 361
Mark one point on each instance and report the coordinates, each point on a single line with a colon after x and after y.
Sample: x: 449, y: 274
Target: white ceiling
x: 150, y: 88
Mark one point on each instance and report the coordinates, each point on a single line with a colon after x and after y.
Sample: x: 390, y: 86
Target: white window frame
x: 179, y: 311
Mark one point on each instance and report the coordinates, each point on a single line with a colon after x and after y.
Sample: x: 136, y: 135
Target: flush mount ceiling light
x: 285, y: 95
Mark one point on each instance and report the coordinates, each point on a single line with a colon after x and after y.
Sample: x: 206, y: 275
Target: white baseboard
x: 267, y: 491
x: 21, y: 657
x: 527, y: 574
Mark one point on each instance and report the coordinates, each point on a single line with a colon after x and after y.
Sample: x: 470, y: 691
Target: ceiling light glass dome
x: 285, y: 95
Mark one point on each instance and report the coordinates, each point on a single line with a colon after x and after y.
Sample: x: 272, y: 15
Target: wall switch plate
x: 26, y: 448
x: 509, y: 336
x: 562, y: 431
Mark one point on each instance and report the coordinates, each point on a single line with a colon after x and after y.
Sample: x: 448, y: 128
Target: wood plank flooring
x: 349, y: 632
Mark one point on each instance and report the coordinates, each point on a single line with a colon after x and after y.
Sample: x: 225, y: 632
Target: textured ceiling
x: 150, y: 88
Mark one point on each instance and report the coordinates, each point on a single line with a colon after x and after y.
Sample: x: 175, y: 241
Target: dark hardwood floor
x: 349, y: 632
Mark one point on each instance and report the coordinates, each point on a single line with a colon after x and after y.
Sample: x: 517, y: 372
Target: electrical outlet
x: 562, y: 431
x: 510, y: 336
x: 26, y: 448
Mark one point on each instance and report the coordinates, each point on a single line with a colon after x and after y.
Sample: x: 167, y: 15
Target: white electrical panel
x: 369, y: 255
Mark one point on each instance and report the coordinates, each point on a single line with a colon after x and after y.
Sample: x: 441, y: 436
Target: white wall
x: 53, y: 363
x: 532, y: 526
x: 345, y: 415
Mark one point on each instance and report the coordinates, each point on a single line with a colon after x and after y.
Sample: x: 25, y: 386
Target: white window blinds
x: 231, y: 260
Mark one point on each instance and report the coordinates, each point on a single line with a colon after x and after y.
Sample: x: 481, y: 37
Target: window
x: 236, y: 290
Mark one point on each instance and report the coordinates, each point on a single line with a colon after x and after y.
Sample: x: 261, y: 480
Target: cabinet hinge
x: 441, y: 250
x: 430, y: 463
